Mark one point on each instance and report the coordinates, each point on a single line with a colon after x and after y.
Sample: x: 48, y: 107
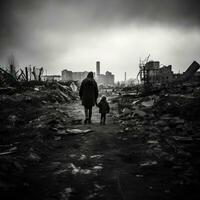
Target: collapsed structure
x: 11, y: 75
x: 153, y: 75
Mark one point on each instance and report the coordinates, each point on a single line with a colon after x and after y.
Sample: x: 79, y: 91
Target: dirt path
x: 102, y: 164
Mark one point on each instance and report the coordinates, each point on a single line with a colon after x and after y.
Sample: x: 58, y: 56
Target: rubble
x: 78, y: 131
x: 169, y: 124
x: 148, y: 164
x: 9, y: 151
x: 138, y: 112
x: 66, y: 194
x: 34, y: 157
x: 98, y: 167
x: 31, y: 119
x: 159, y: 131
x: 148, y: 103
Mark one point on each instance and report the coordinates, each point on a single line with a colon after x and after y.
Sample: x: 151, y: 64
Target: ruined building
x: 51, y: 78
x: 106, y: 79
x: 190, y: 73
x: 165, y: 74
x: 75, y: 76
x: 152, y: 73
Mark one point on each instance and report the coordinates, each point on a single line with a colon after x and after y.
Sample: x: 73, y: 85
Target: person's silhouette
x: 88, y: 94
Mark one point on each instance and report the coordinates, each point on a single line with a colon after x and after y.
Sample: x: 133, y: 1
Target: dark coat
x: 88, y: 92
x: 103, y: 107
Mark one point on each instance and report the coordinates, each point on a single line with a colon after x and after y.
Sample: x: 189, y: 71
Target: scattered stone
x: 61, y: 171
x: 148, y: 164
x: 152, y: 142
x: 78, y: 131
x: 72, y: 155
x: 61, y: 132
x: 66, y: 194
x: 57, y: 138
x: 9, y: 151
x: 183, y: 139
x: 85, y: 171
x: 140, y: 113
x: 55, y: 165
x: 126, y: 111
x: 83, y: 157
x: 166, y: 128
x: 139, y: 175
x: 98, y: 167
x: 76, y: 121
x: 148, y: 104
x: 96, y: 156
x: 34, y: 157
x: 160, y: 123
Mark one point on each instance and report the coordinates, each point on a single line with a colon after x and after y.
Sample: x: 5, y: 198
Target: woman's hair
x: 90, y: 75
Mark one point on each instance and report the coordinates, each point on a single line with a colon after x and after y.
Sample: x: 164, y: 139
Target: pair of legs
x: 88, y: 115
x: 103, y: 118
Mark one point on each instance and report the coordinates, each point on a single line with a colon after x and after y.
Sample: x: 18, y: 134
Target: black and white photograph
x: 100, y: 99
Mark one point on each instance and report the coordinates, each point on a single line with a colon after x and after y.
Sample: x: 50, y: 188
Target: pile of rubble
x: 169, y: 125
x: 32, y: 119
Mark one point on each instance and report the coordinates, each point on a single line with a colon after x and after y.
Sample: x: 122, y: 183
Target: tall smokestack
x: 98, y: 68
x: 125, y: 76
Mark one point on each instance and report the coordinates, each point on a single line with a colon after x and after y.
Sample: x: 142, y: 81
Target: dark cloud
x: 185, y: 12
x: 38, y: 28
x: 178, y: 12
x: 11, y: 28
x: 94, y: 13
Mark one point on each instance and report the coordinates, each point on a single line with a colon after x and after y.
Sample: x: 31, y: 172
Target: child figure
x: 103, y: 109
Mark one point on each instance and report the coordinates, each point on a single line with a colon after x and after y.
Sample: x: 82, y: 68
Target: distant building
x: 165, y: 74
x: 98, y: 68
x: 152, y: 73
x: 131, y: 82
x: 106, y: 79
x: 51, y: 78
x: 73, y: 76
x: 66, y: 75
x: 110, y: 78
x: 196, y: 77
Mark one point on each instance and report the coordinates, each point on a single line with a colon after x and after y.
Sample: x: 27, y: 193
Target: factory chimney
x: 98, y: 68
x: 125, y: 77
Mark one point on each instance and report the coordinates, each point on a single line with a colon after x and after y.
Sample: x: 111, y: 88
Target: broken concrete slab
x: 148, y: 164
x: 148, y: 104
x: 78, y: 131
x: 183, y: 139
x: 34, y: 157
x: 139, y: 113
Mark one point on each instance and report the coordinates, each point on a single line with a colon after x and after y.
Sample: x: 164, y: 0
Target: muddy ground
x: 106, y: 163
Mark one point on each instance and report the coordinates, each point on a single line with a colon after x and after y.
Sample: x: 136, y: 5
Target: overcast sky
x: 74, y: 34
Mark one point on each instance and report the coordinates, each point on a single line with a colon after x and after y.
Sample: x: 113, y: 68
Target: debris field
x: 149, y: 148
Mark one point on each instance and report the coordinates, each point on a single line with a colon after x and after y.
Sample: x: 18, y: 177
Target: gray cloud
x: 178, y: 12
x: 94, y: 13
x: 41, y: 32
x: 11, y: 28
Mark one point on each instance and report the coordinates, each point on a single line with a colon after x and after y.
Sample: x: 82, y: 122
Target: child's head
x: 103, y: 98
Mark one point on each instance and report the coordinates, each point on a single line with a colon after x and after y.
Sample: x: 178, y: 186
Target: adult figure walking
x: 88, y: 94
